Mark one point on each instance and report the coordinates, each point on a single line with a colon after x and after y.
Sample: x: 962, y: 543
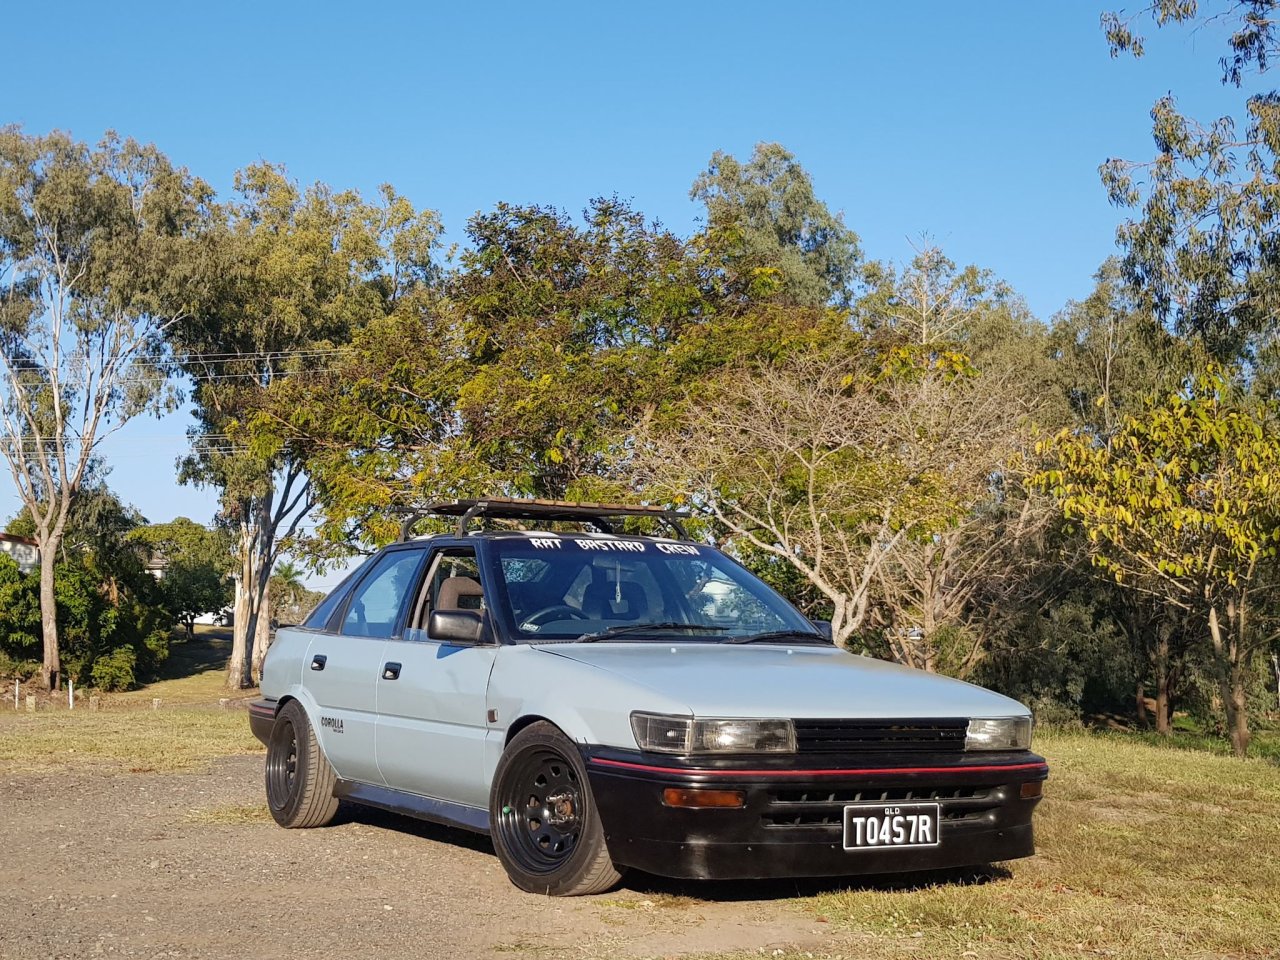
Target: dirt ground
x: 187, y: 865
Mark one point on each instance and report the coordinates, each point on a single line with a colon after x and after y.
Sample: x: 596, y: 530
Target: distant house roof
x: 25, y: 552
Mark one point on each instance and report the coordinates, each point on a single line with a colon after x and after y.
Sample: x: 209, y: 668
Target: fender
x: 590, y: 705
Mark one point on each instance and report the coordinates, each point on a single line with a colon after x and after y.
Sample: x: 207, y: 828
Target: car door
x: 343, y: 663
x: 431, y: 694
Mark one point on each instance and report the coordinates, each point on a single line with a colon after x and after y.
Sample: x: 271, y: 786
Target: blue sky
x: 979, y: 124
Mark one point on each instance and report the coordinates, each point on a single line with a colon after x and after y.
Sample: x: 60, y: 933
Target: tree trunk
x: 237, y: 666
x: 262, y: 635
x: 1163, y: 678
x: 50, y: 672
x: 1231, y: 680
x: 1238, y: 710
x: 1140, y: 699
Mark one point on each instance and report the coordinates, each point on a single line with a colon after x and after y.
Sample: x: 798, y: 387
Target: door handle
x: 318, y: 661
x: 391, y: 671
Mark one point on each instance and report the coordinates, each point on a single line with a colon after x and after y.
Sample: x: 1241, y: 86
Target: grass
x: 1148, y: 847
x: 1145, y: 852
x: 135, y: 741
x: 232, y: 814
x: 194, y: 673
x: 127, y: 735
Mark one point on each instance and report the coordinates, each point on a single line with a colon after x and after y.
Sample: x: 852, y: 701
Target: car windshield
x: 598, y: 588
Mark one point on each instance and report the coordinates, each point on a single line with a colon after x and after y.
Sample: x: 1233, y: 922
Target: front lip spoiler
x: 1037, y: 767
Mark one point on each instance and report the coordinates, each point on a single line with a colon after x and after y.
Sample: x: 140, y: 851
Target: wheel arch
x: 528, y: 720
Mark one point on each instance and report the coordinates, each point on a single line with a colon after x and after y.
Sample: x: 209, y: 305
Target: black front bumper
x: 792, y: 823
x: 262, y: 719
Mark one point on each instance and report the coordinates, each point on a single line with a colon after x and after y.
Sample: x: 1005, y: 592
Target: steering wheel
x: 559, y: 611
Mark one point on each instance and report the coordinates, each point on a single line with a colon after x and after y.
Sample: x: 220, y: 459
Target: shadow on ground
x: 728, y: 891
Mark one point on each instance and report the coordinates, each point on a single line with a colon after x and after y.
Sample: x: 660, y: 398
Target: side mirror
x: 455, y: 626
x: 824, y: 627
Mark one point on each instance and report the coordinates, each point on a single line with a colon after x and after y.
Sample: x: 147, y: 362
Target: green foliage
x: 1070, y: 664
x: 528, y: 371
x: 106, y: 601
x: 196, y: 564
x: 1185, y: 493
x: 769, y: 235
x: 1183, y: 504
x: 1252, y: 42
x: 1109, y: 358
x: 1201, y: 255
x: 101, y: 251
x: 115, y: 670
x: 19, y: 612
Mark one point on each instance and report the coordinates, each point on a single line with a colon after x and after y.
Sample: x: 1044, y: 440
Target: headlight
x: 1006, y: 733
x: 668, y: 734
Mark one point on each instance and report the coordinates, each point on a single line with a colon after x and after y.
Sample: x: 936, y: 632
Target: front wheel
x: 545, y: 825
x: 299, y: 778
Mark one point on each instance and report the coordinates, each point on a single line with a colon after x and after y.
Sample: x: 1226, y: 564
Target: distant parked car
x: 595, y: 701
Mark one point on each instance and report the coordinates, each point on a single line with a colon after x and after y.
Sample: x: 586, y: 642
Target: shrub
x: 115, y: 670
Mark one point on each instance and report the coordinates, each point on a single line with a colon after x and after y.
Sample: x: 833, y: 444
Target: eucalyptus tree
x: 301, y: 271
x: 1200, y: 253
x: 100, y: 258
x: 769, y: 234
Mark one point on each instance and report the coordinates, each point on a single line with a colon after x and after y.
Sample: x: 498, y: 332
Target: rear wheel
x: 545, y: 825
x: 299, y: 779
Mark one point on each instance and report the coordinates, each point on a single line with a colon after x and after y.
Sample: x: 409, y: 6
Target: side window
x: 377, y: 601
x: 318, y: 617
x: 452, y: 583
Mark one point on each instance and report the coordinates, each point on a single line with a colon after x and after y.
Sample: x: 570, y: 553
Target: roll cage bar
x: 596, y: 515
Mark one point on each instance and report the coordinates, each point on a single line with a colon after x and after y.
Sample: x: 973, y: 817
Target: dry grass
x: 1145, y: 852
x: 232, y: 814
x: 194, y: 673
x: 137, y: 741
x: 127, y: 735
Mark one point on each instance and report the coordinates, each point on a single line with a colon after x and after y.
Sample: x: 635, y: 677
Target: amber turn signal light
x: 1031, y: 789
x: 683, y: 797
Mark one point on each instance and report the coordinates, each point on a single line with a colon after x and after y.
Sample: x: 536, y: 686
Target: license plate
x: 871, y: 826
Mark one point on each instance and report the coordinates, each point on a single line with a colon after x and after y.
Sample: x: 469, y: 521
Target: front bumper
x: 792, y: 821
x: 262, y: 719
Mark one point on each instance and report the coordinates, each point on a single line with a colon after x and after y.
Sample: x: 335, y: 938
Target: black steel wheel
x: 545, y: 826
x: 299, y: 778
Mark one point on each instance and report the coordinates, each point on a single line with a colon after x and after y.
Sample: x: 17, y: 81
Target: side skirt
x: 450, y: 814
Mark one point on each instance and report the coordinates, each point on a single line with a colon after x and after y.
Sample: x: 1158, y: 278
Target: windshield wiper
x: 625, y: 628
x: 779, y: 635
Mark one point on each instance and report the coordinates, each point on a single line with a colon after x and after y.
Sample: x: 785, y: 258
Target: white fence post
x: 71, y: 694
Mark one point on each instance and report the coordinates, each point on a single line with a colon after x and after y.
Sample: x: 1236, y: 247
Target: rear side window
x: 319, y: 617
x: 376, y: 603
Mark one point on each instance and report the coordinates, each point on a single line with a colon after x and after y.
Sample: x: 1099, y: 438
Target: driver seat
x: 460, y: 593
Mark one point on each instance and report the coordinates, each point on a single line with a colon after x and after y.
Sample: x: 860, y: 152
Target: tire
x: 298, y: 776
x: 543, y: 819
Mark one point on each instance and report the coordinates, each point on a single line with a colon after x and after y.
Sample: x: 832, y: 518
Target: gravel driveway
x: 188, y: 865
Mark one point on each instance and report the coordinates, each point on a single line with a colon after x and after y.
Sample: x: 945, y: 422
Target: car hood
x: 721, y: 680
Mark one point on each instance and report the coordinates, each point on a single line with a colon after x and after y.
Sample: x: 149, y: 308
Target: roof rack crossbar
x: 504, y: 508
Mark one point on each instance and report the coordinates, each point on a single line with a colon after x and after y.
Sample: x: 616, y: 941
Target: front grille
x: 880, y: 736
x: 824, y: 807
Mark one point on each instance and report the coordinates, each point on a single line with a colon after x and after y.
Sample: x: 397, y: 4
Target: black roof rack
x: 510, y: 508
